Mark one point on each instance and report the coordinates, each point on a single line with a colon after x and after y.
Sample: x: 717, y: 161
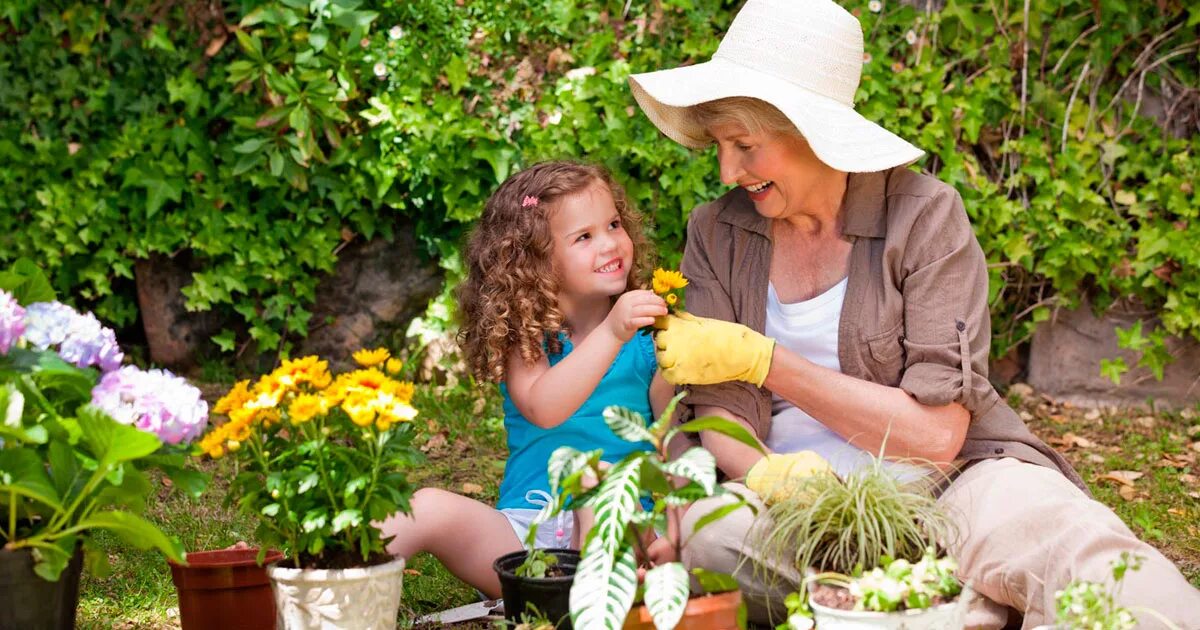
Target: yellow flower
x: 236, y: 397
x: 665, y: 281
x: 393, y: 366
x: 305, y: 407
x: 295, y: 372
x: 371, y: 358
x: 671, y: 299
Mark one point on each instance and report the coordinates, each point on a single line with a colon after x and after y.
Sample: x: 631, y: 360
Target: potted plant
x: 830, y: 527
x: 897, y: 594
x: 321, y: 459
x: 631, y: 499
x: 1087, y: 604
x: 537, y: 582
x: 78, y: 434
x: 225, y: 588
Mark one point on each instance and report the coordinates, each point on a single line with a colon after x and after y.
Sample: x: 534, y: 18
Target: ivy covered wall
x: 259, y: 136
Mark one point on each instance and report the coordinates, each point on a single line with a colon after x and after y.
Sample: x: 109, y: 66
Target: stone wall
x: 1065, y: 354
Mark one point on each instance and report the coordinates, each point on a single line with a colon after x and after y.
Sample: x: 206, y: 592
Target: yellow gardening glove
x: 701, y: 351
x: 778, y: 475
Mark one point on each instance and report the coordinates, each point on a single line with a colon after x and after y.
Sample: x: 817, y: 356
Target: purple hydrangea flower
x: 153, y: 400
x: 81, y: 339
x: 12, y: 321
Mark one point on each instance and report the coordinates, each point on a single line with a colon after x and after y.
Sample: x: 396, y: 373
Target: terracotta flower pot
x: 367, y: 598
x: 31, y: 603
x: 225, y: 589
x: 551, y: 595
x: 704, y: 612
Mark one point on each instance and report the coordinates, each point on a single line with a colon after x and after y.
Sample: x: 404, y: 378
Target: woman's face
x: 779, y: 171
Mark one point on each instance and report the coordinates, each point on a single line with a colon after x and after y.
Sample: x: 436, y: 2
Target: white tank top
x: 810, y: 329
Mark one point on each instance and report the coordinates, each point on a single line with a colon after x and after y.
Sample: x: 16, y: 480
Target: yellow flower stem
x: 376, y: 448
x: 325, y: 481
x: 256, y: 447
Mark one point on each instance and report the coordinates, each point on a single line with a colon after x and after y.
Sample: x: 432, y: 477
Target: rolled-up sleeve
x: 708, y: 295
x: 947, y: 329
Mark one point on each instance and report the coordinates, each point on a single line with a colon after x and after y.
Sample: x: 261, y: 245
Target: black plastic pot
x: 551, y: 595
x: 28, y: 602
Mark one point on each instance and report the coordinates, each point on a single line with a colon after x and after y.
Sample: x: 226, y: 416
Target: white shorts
x: 557, y: 533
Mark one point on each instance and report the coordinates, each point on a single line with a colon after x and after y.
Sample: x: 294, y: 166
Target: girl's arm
x: 661, y: 393
x: 546, y: 395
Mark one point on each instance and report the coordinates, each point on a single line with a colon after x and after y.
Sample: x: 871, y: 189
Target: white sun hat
x: 804, y: 57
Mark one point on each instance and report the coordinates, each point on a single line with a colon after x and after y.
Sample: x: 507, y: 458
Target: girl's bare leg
x: 464, y: 534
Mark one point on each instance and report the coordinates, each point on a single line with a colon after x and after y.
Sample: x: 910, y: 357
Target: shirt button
x: 960, y: 325
x: 999, y: 451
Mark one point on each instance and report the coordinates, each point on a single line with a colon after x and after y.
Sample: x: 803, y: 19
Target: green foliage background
x: 258, y: 136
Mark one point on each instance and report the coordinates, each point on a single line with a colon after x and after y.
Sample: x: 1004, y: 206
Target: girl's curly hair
x: 509, y: 299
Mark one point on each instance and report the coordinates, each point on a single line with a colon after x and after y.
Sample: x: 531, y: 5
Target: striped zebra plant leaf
x: 664, y: 419
x: 566, y: 461
x: 696, y: 464
x: 628, y: 425
x: 615, y: 502
x: 604, y: 587
x: 667, y: 594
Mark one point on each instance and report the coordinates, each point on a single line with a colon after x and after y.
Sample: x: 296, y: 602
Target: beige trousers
x: 1025, y: 532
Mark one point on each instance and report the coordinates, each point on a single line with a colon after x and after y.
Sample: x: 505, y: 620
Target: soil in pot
x: 225, y: 589
x: 551, y: 594
x: 28, y: 602
x: 716, y: 611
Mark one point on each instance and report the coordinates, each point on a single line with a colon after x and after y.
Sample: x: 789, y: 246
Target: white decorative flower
x: 875, y: 6
x: 396, y: 32
x: 555, y: 117
x: 910, y: 37
x: 381, y: 69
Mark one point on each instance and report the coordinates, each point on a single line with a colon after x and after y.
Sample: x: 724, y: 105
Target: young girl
x: 550, y: 310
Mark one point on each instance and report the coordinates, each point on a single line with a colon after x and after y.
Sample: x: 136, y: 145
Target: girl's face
x: 592, y: 252
x: 778, y: 171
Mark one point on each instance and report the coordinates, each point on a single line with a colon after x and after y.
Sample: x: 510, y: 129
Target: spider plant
x: 844, y: 524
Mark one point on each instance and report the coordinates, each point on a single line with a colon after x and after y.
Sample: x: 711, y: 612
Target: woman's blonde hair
x: 509, y: 300
x: 754, y: 114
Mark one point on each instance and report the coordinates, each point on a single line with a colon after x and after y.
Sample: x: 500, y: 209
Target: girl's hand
x: 633, y: 310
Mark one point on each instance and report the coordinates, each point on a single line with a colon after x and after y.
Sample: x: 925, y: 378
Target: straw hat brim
x: 838, y: 135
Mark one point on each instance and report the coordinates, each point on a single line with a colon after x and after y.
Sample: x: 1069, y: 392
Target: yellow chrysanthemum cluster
x: 303, y: 389
x: 665, y: 282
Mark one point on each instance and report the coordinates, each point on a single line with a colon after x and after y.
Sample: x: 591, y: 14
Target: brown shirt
x: 915, y: 314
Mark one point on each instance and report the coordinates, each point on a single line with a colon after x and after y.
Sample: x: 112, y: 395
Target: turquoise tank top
x: 627, y: 383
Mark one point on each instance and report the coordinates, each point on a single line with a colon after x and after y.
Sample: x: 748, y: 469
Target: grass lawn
x: 1144, y: 466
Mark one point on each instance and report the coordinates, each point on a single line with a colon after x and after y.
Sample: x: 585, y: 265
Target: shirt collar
x: 862, y: 208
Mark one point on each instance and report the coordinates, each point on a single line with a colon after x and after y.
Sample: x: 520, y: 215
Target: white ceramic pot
x: 365, y: 598
x: 951, y: 616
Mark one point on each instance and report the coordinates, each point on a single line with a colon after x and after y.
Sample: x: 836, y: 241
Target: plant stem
x: 12, y: 515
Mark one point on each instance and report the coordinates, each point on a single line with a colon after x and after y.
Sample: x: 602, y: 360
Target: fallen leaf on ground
x: 472, y: 488
x: 411, y: 572
x: 1196, y: 446
x: 1175, y: 460
x: 437, y: 440
x: 1194, y: 495
x: 1123, y: 477
x: 1092, y: 415
x: 1127, y: 492
x: 1188, y: 478
x: 1176, y: 511
x: 1146, y: 422
x: 1095, y: 459
x: 1070, y: 440
x: 1058, y: 418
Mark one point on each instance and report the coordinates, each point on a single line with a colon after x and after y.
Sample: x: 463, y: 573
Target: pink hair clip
x: 530, y: 201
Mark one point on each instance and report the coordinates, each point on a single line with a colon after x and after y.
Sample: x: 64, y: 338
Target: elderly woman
x: 841, y: 307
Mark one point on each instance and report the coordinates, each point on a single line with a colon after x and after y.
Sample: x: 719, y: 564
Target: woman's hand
x: 701, y: 351
x: 634, y: 310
